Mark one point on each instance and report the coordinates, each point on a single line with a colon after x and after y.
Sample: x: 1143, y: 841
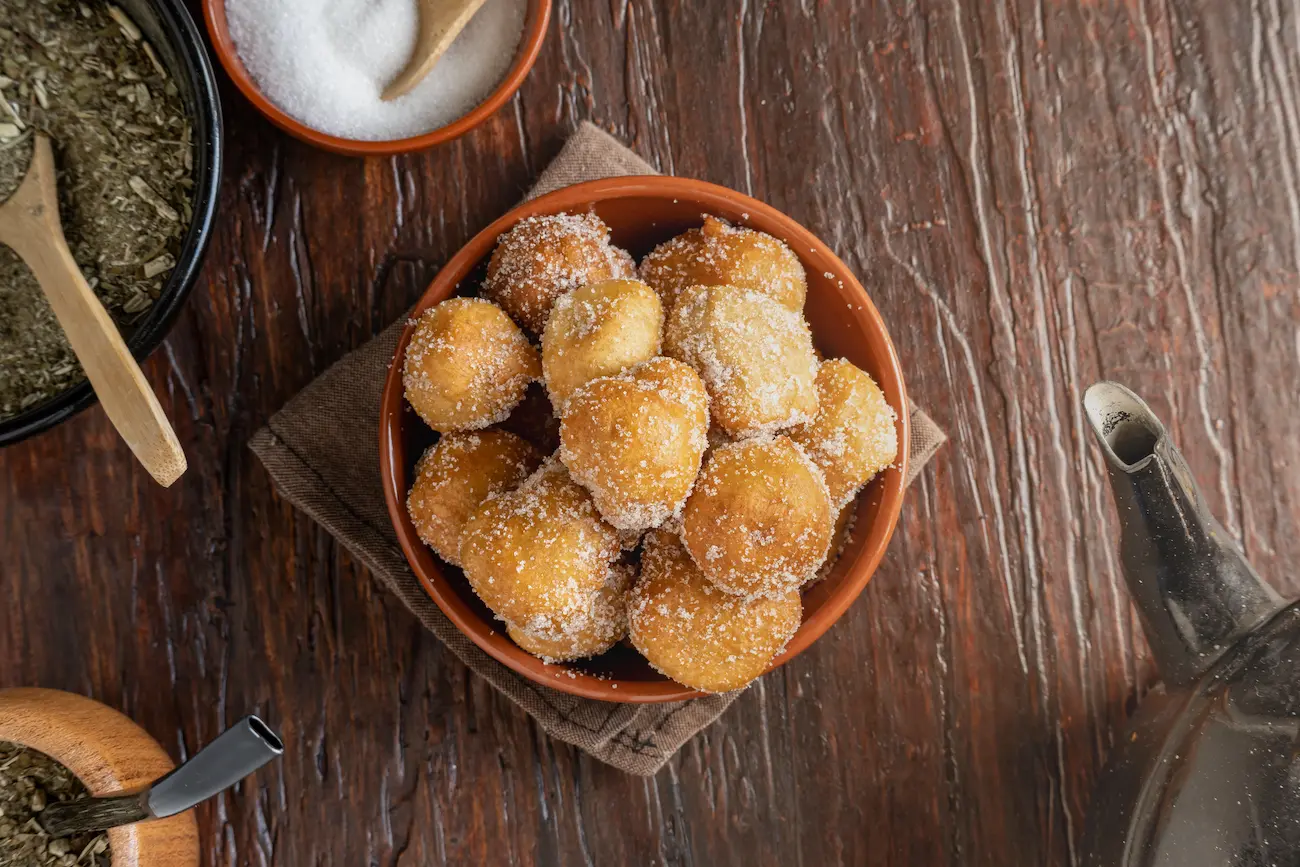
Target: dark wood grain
x: 1037, y: 194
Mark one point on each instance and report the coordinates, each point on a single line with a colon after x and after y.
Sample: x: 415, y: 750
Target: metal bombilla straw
x: 237, y: 752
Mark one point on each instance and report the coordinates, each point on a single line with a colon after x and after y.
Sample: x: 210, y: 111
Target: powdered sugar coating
x: 455, y: 475
x: 545, y: 256
x: 691, y: 631
x: 722, y: 254
x: 605, y: 625
x: 467, y: 365
x: 759, y: 521
x: 597, y: 330
x: 537, y: 554
x: 635, y: 440
x: 624, y: 264
x: 754, y: 355
x: 854, y: 434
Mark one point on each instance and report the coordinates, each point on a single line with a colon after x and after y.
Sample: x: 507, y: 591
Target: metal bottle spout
x: 1194, y: 590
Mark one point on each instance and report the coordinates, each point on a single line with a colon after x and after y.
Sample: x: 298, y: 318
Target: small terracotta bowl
x: 530, y: 44
x: 109, y: 754
x: 641, y: 213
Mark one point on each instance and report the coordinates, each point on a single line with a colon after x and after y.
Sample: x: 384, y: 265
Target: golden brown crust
x: 467, y: 365
x: 543, y: 257
x: 696, y: 634
x: 455, y: 475
x: 538, y: 554
x: 755, y: 357
x: 599, y: 330
x: 854, y: 435
x: 721, y: 254
x: 602, y: 629
x: 759, y: 521
x: 635, y: 441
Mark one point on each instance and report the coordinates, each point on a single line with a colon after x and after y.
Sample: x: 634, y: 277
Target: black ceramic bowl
x: 171, y: 31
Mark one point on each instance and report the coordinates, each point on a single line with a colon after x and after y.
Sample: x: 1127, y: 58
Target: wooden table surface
x: 1037, y: 195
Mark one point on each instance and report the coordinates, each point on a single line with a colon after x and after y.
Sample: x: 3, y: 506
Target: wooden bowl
x: 108, y: 753
x: 642, y: 212
x: 530, y: 44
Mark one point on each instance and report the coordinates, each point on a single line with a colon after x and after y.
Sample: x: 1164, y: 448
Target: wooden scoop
x: 441, y: 21
x: 29, y: 223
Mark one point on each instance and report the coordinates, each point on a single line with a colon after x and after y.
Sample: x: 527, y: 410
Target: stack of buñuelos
x: 708, y: 457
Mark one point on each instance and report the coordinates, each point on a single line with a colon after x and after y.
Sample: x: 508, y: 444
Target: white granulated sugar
x: 326, y: 62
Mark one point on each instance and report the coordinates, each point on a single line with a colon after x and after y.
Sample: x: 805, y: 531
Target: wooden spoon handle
x: 29, y: 223
x: 119, y: 384
x: 440, y: 23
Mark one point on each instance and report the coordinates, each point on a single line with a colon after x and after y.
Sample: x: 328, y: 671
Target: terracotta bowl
x: 530, y: 44
x: 108, y: 753
x: 642, y: 212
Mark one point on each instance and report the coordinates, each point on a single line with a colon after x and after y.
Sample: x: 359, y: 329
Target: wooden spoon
x: 440, y: 23
x: 29, y: 223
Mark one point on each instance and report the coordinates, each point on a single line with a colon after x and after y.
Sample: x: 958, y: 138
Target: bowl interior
x: 536, y: 19
x: 641, y: 213
x: 169, y: 29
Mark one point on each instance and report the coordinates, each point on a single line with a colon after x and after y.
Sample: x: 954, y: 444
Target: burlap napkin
x: 331, y: 472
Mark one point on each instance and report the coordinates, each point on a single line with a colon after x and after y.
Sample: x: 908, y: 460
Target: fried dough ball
x: 755, y: 357
x: 635, y: 441
x: 467, y: 365
x: 453, y: 478
x: 537, y: 555
x: 696, y: 634
x: 624, y: 264
x: 852, y: 437
x: 543, y: 257
x: 722, y: 254
x: 759, y: 520
x: 597, y: 330
x: 605, y: 627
